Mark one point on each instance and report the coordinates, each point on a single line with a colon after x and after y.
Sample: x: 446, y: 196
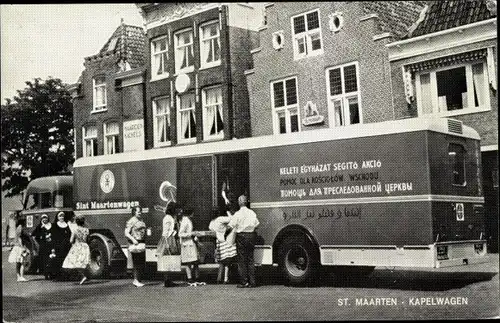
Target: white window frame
x: 307, y: 36
x: 206, y: 129
x: 286, y: 108
x: 178, y: 48
x: 470, y: 88
x: 154, y: 67
x: 91, y: 139
x: 343, y: 97
x: 98, y: 106
x: 168, y: 121
x: 203, y: 64
x: 116, y: 135
x: 180, y: 138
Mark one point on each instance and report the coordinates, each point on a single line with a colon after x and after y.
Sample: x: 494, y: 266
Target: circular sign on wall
x: 107, y: 181
x: 182, y: 83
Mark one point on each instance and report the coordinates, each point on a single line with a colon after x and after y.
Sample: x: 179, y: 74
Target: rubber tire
x: 98, y: 268
x: 29, y: 264
x: 312, y: 260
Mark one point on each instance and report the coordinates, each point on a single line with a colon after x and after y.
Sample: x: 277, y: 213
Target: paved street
x: 386, y: 294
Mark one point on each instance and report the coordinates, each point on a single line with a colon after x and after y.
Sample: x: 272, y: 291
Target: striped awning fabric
x: 448, y: 60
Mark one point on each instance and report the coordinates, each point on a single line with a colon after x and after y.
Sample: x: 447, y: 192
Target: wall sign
x: 133, y: 135
x: 312, y: 115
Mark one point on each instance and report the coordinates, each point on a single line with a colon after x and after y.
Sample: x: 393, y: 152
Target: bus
x: 397, y: 193
x: 45, y: 195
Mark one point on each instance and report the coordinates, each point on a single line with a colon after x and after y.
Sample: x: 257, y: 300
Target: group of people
x: 63, y: 245
x: 235, y: 242
x: 58, y: 245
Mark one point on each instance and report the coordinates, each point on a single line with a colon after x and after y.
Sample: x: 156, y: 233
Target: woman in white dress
x: 79, y: 255
x: 189, y: 250
x: 19, y: 252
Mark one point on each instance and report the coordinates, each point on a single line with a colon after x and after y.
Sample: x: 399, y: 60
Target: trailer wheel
x: 98, y: 266
x: 298, y: 260
x: 30, y: 261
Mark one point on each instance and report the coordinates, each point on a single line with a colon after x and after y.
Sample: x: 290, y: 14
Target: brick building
x: 108, y: 99
x: 446, y: 67
x: 196, y: 57
x: 325, y: 64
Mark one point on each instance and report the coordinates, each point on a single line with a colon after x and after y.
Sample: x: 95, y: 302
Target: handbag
x: 137, y: 248
x: 169, y: 263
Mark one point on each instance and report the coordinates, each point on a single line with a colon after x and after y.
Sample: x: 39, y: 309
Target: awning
x: 448, y: 60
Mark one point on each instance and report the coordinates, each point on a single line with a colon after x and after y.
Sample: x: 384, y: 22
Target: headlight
x: 442, y: 252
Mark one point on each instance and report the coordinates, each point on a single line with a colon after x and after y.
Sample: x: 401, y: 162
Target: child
x: 189, y: 250
x: 225, y: 252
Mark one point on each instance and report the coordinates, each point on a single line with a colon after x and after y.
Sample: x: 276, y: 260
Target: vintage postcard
x: 242, y: 161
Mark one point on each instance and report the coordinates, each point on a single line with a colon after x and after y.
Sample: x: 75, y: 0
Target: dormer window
x: 159, y: 58
x: 306, y: 31
x: 99, y: 97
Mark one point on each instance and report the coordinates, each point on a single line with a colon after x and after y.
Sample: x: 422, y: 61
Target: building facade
x: 196, y: 57
x: 108, y: 99
x: 446, y: 67
x: 325, y: 64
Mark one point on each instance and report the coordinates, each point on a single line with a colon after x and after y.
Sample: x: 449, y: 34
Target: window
x: 89, y: 141
x: 213, y: 125
x: 111, y: 132
x: 186, y: 118
x: 344, y: 106
x: 306, y: 33
x: 161, y: 125
x: 184, y: 57
x: 210, y: 44
x: 453, y: 90
x: 457, y: 161
x: 285, y: 106
x: 99, y: 93
x: 159, y: 58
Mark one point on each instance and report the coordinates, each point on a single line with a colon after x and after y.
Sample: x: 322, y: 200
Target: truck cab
x: 45, y: 195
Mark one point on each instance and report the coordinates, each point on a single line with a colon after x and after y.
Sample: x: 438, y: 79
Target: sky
x: 42, y: 40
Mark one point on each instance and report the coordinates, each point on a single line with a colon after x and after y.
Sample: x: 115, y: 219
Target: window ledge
x: 312, y: 54
x: 214, y: 138
x: 255, y: 50
x: 207, y: 66
x: 98, y: 111
x: 189, y: 69
x: 186, y: 141
x: 157, y: 78
x: 162, y: 144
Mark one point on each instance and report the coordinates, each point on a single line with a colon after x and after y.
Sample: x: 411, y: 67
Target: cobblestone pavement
x: 403, y: 293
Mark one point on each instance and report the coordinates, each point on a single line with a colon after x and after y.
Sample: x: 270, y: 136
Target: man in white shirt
x: 244, y: 222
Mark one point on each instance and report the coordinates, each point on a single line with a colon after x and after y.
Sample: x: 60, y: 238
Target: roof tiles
x: 442, y: 15
x: 127, y: 42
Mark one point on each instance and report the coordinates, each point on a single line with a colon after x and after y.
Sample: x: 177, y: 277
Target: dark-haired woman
x: 79, y: 255
x: 135, y: 230
x: 168, y: 244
